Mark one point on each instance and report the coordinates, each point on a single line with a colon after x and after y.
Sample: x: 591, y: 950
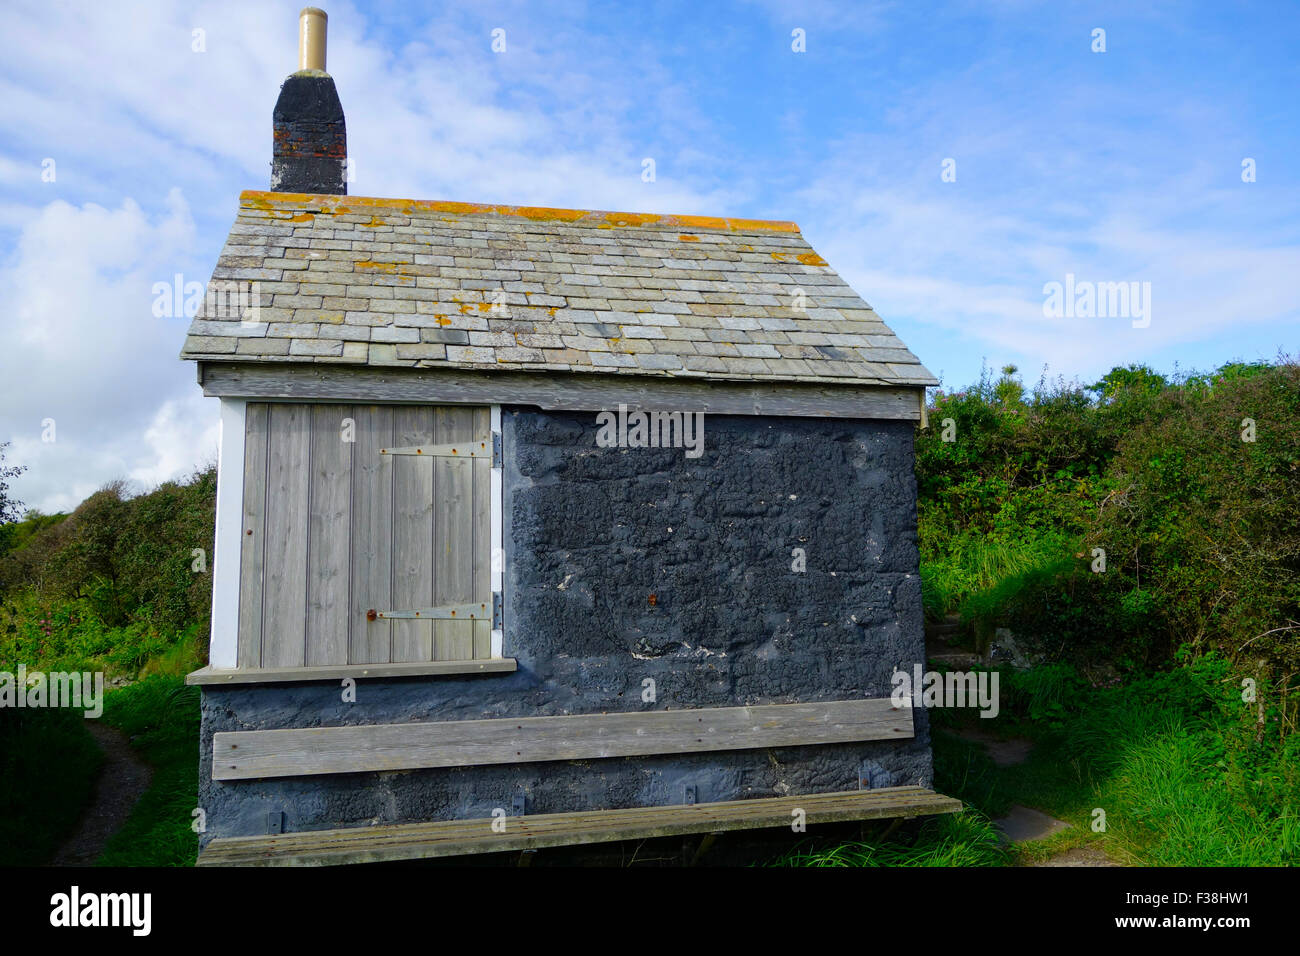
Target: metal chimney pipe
x: 312, y: 23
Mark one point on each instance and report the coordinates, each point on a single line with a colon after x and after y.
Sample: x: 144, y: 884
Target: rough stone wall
x: 626, y: 564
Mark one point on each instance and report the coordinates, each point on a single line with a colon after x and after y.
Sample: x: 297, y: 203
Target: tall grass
x: 972, y: 563
x: 960, y: 839
x: 161, y: 715
x: 1184, y: 774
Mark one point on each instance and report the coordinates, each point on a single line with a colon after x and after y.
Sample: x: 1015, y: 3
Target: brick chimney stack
x: 309, y: 151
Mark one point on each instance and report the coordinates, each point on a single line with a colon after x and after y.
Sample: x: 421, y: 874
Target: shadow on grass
x: 48, y: 766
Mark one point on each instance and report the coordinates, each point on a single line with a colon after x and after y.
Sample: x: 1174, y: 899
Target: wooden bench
x: 254, y: 754
x: 448, y: 838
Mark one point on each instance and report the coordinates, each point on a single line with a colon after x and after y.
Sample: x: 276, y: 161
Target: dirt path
x: 122, y: 779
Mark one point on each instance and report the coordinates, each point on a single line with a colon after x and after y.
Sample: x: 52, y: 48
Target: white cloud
x: 125, y: 105
x: 83, y: 349
x: 1063, y: 166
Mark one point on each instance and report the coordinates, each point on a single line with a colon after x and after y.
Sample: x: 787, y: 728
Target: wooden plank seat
x: 247, y: 755
x: 450, y: 838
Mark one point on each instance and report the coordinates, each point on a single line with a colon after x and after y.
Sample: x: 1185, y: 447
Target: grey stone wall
x: 626, y: 564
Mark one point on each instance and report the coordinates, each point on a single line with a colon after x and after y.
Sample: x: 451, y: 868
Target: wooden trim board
x: 496, y: 521
x: 448, y: 838
x: 223, y: 646
x: 209, y: 676
x: 247, y: 755
x: 568, y: 391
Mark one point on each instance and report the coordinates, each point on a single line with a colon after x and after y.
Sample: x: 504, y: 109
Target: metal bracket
x: 445, y: 612
x: 496, y: 610
x: 275, y: 821
x: 496, y: 449
x: 692, y: 791
x: 871, y: 775
x: 518, y: 804
x: 478, y: 448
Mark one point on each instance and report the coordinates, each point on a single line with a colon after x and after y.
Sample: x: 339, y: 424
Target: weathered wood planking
x: 449, y: 838
x: 253, y: 535
x: 453, y: 558
x: 329, y: 537
x: 244, y: 755
x: 339, y: 529
x: 206, y: 676
x: 557, y: 390
x: 413, y: 533
x: 372, y: 538
x: 284, y: 598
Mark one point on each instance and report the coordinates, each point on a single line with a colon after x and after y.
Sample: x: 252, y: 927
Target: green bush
x: 1199, y: 527
x: 69, y: 635
x: 1204, y: 525
x: 124, y: 560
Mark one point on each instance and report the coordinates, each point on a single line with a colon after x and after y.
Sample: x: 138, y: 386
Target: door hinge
x: 477, y: 448
x: 496, y: 610
x: 445, y: 612
x: 496, y: 449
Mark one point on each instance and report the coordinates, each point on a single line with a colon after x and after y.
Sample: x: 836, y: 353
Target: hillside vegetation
x: 115, y: 587
x: 1189, y: 488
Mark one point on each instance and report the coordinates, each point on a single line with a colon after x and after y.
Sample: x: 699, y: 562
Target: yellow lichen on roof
x: 412, y: 284
x: 338, y: 205
x: 807, y: 258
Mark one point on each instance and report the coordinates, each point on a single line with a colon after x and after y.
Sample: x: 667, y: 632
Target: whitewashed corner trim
x: 223, y: 648
x: 498, y: 542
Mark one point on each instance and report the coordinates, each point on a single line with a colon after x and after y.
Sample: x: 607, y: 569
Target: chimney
x: 309, y: 150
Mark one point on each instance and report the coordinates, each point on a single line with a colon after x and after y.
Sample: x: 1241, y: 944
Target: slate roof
x: 393, y: 282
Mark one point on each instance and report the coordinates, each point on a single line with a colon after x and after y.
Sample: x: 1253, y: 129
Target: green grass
x: 161, y: 716
x: 48, y: 765
x: 49, y: 761
x: 1172, y: 759
x: 961, y: 839
x: 1175, y: 760
x: 971, y: 564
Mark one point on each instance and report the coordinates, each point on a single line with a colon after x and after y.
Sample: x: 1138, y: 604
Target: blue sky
x: 1122, y: 166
